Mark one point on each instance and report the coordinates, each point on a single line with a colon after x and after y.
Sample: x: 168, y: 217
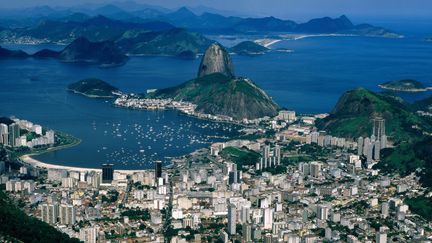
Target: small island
x: 94, y: 88
x: 406, y: 85
x: 249, y: 48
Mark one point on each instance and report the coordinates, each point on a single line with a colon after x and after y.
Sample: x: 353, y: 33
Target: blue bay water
x: 309, y: 80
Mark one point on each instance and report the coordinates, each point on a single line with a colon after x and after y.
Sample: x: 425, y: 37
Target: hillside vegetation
x: 249, y: 48
x: 219, y: 95
x: 94, y: 88
x: 16, y: 225
x: 241, y: 156
x: 353, y: 114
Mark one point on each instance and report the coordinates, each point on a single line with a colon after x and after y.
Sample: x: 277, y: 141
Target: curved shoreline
x: 42, y: 165
x: 28, y: 159
x: 91, y: 96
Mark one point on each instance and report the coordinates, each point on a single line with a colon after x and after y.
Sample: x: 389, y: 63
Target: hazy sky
x: 279, y: 8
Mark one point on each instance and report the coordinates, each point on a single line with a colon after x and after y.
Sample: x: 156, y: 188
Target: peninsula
x: 217, y: 91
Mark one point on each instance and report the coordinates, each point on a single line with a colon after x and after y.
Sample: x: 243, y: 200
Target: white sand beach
x: 267, y: 42
x: 39, y: 164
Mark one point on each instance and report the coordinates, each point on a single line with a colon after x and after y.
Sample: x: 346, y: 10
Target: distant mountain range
x: 154, y: 18
x: 214, y: 23
x: 98, y: 28
x: 144, y: 38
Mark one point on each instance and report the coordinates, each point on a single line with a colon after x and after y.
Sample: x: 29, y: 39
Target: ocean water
x: 320, y: 69
x: 309, y: 80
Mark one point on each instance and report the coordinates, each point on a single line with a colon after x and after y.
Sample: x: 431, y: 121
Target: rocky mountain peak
x: 216, y: 60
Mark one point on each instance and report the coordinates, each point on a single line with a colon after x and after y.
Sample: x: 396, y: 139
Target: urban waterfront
x: 36, y: 90
x: 153, y: 124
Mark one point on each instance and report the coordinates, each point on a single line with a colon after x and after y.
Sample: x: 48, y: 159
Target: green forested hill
x: 15, y: 224
x: 219, y: 95
x: 93, y: 87
x: 353, y: 114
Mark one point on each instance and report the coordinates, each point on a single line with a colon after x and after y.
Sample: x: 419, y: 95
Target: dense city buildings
x: 23, y: 133
x: 297, y: 185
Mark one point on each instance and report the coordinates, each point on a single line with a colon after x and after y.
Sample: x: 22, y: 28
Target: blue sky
x: 279, y: 8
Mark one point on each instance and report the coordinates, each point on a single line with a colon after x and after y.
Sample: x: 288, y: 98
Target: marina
x: 137, y: 144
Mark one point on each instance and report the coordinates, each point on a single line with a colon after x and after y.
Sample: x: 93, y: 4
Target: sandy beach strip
x: 267, y: 42
x: 39, y: 164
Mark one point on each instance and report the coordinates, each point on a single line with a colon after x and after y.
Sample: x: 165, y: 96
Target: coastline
x: 29, y: 160
x: 92, y: 96
x: 405, y: 90
x: 304, y: 36
x: 42, y: 165
x: 267, y: 42
x: 233, y: 122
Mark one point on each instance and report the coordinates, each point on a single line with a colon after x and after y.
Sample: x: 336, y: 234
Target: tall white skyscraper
x: 266, y: 151
x: 268, y: 218
x: 247, y: 232
x: 385, y: 210
x: 381, y: 237
x: 50, y: 136
x: 49, y: 213
x: 366, y: 143
x: 370, y: 150
x: 377, y: 150
x: 244, y: 214
x: 266, y: 155
x: 232, y: 218
x: 323, y: 211
x: 4, y: 134
x: 360, y: 146
x: 315, y: 169
x: 277, y: 154
x: 67, y: 214
x: 378, y: 127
